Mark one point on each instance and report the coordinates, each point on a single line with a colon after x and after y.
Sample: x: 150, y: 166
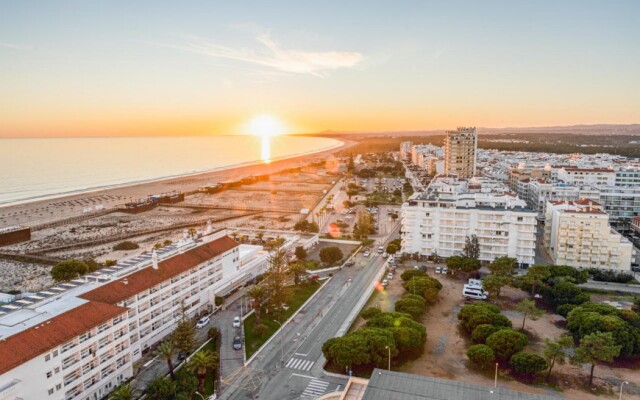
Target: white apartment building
x: 586, y: 176
x: 628, y: 177
x: 460, y: 148
x: 79, y: 340
x: 420, y: 152
x: 541, y: 191
x: 439, y: 222
x: 405, y: 150
x: 622, y: 204
x: 577, y: 233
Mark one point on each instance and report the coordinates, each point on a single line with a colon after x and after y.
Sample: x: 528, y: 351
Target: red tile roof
x: 117, y: 291
x: 25, y: 345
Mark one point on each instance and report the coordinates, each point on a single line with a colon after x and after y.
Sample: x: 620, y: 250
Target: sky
x: 99, y: 68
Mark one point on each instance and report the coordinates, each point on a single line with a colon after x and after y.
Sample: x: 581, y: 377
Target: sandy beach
x: 40, y: 211
x: 62, y: 230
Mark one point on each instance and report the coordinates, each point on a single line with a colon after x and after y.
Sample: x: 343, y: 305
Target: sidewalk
x: 157, y: 367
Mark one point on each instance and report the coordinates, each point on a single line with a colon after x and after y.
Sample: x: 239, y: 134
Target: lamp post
x: 495, y: 380
x: 199, y: 394
x: 389, y: 363
x: 621, y: 385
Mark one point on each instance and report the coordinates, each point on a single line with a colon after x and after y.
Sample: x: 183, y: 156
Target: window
x: 59, y: 386
x: 57, y: 369
x: 47, y: 357
x: 49, y: 374
x: 50, y: 391
x: 55, y: 353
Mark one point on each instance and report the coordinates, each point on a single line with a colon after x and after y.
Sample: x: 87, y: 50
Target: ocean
x: 38, y: 168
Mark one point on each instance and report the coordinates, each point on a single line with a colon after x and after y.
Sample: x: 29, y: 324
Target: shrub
x: 214, y: 334
x: 126, y: 245
x: 418, y: 285
x: 411, y: 304
x: 410, y: 273
x: 527, y: 363
x: 565, y: 309
x: 331, y: 255
x: 482, y: 332
x: 68, y: 270
x: 370, y: 312
x: 481, y: 355
x: 476, y: 314
x: 506, y: 342
x: 219, y: 301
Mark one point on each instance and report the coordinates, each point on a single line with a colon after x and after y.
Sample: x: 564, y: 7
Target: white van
x: 474, y: 292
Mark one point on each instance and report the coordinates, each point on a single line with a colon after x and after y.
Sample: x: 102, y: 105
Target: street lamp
x: 621, y: 385
x: 198, y: 393
x: 495, y: 381
x: 389, y: 363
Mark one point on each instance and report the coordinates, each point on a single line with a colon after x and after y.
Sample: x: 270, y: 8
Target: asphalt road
x: 290, y: 366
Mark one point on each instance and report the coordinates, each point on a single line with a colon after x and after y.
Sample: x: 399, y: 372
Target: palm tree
x: 123, y: 392
x: 258, y: 294
x: 166, y: 351
x: 260, y: 236
x: 200, y: 363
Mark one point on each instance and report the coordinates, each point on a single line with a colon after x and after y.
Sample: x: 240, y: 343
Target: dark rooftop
x: 390, y: 385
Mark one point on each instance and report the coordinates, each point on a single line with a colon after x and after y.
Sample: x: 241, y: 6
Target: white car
x: 438, y: 270
x: 445, y: 270
x: 203, y: 322
x: 366, y: 254
x: 236, y: 322
x: 385, y: 255
x: 390, y: 276
x: 385, y: 283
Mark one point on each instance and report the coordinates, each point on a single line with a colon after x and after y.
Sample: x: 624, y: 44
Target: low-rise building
x: 577, y: 233
x: 79, y: 340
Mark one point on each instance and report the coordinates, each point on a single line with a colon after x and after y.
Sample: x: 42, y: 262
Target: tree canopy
x: 68, y: 270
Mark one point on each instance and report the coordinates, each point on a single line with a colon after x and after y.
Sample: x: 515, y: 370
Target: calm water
x: 36, y: 168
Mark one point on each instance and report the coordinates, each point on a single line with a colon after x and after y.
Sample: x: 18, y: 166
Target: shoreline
x: 73, y: 192
x: 66, y: 205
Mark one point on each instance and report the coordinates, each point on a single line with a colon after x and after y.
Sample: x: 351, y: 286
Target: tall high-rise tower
x: 460, y: 152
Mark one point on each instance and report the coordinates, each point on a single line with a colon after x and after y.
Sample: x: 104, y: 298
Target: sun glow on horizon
x: 266, y: 125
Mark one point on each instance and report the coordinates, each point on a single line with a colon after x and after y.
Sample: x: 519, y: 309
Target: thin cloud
x: 12, y: 46
x: 271, y: 55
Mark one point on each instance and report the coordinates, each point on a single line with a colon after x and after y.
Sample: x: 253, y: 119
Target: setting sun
x: 266, y: 125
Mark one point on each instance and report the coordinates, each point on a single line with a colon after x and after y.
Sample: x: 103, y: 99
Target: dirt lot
x: 445, y: 350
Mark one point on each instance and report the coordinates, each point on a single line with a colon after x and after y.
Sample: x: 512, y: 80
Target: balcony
x: 70, y: 361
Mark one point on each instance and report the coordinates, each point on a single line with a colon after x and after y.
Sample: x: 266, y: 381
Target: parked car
x: 385, y: 283
x: 202, y: 322
x: 438, y: 270
x: 389, y: 276
x: 236, y: 322
x: 366, y: 253
x: 349, y: 263
x: 237, y: 343
x: 445, y: 270
x: 385, y: 255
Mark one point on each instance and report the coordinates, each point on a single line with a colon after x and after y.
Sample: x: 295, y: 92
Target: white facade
x: 587, y: 176
x: 69, y: 360
x: 405, y: 150
x: 542, y: 191
x: 577, y: 233
x: 438, y: 223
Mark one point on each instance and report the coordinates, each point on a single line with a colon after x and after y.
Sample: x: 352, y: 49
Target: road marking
x: 298, y: 363
x: 315, y: 388
x: 300, y: 354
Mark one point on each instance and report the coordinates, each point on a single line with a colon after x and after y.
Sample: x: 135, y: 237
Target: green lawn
x: 297, y: 296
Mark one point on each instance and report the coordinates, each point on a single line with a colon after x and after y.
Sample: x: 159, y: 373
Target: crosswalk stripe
x: 290, y: 362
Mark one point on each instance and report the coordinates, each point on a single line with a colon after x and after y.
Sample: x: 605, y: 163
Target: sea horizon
x: 27, y: 179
